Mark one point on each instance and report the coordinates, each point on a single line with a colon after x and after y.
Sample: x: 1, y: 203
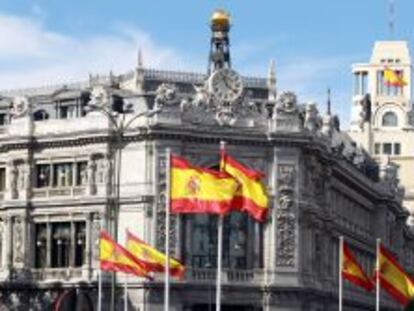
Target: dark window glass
x: 63, y: 112
x: 40, y: 115
x: 203, y: 246
x: 397, y: 148
x: 3, y: 119
x: 79, y: 244
x: 42, y: 175
x: 40, y: 245
x: 377, y: 148
x: 60, y: 245
x: 389, y: 119
x: 68, y: 243
x: 2, y: 179
x: 387, y: 148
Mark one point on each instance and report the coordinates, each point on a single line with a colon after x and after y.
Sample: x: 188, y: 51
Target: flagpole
x: 341, y: 256
x: 219, y: 255
x: 99, y: 289
x: 377, y: 277
x: 126, y: 292
x: 219, y: 246
x: 167, y: 231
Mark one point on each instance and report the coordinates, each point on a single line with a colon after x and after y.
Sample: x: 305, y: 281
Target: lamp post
x: 119, y: 127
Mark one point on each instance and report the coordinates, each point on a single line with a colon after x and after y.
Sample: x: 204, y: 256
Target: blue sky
x: 313, y: 42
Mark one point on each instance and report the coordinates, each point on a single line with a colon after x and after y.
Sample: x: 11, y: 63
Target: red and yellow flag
x: 113, y: 257
x: 200, y: 190
x: 393, y: 78
x: 154, y: 259
x: 352, y: 271
x: 393, y: 278
x: 251, y: 196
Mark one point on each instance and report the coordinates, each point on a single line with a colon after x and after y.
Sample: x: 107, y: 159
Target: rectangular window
x: 42, y: 175
x: 377, y: 148
x: 2, y: 179
x: 81, y: 173
x: 40, y: 246
x: 80, y: 243
x: 397, y: 148
x: 62, y: 175
x: 67, y: 244
x: 60, y: 245
x: 380, y: 82
x: 387, y: 148
x: 3, y: 119
x: 63, y: 112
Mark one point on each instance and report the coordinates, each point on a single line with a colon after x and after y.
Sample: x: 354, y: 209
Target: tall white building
x: 382, y: 116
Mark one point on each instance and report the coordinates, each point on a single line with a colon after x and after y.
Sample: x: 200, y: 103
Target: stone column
x: 88, y: 244
x: 48, y: 245
x: 91, y: 175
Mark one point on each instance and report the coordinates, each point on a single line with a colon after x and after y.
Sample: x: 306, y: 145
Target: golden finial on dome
x: 220, y: 20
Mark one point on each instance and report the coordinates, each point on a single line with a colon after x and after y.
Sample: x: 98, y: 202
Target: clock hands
x: 228, y: 84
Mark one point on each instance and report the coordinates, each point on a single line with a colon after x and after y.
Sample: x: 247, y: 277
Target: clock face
x: 226, y: 85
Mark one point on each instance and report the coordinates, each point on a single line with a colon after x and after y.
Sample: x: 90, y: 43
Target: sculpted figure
x: 312, y: 120
x: 166, y: 95
x: 287, y: 103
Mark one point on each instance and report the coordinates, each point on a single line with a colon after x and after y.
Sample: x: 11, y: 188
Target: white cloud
x: 31, y: 55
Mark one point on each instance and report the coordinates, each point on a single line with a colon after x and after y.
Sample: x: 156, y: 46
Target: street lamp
x: 119, y: 127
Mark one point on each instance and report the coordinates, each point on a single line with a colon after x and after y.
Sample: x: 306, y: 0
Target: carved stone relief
x: 96, y: 229
x: 20, y: 107
x: 166, y: 95
x: 161, y: 204
x: 14, y: 177
x: 18, y: 239
x: 99, y: 96
x: 286, y: 217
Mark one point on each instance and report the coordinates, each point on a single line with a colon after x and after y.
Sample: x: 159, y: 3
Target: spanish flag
x: 200, y: 190
x: 113, y: 257
x: 393, y: 278
x: 394, y: 78
x: 352, y: 271
x: 251, y: 196
x: 154, y: 259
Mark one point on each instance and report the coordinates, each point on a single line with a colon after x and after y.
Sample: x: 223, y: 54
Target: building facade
x: 382, y: 116
x: 58, y: 189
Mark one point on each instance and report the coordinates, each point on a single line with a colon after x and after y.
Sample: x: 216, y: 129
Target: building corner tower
x: 381, y: 116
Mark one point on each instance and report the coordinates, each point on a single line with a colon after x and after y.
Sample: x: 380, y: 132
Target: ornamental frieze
x: 160, y: 214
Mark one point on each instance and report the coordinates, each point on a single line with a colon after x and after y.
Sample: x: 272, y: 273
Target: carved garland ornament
x: 18, y: 240
x: 286, y: 217
x: 161, y: 203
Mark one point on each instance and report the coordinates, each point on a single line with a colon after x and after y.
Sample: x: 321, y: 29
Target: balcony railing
x: 59, y: 274
x: 229, y: 276
x: 39, y: 193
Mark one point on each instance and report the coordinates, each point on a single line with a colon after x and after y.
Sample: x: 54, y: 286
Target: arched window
x: 389, y: 119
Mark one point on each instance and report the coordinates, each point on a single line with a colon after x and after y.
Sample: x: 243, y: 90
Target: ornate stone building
x: 57, y: 188
x: 382, y: 115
